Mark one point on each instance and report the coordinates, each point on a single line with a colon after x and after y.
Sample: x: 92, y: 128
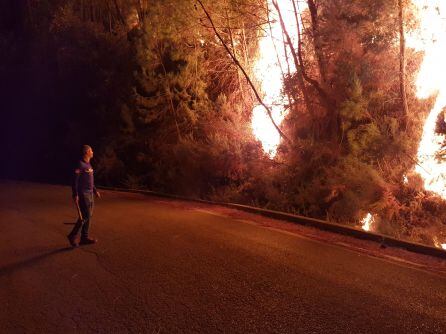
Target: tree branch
x: 235, y: 60
x: 299, y: 60
x: 298, y: 64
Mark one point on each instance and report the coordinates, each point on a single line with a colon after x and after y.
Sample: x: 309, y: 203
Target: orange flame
x: 268, y: 70
x: 431, y: 39
x: 367, y: 222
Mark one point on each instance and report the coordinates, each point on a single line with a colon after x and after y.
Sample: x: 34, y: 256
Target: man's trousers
x: 86, y: 204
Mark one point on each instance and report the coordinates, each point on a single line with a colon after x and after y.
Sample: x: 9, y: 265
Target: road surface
x: 164, y: 266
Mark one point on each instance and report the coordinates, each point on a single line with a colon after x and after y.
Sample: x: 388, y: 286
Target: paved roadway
x: 166, y: 266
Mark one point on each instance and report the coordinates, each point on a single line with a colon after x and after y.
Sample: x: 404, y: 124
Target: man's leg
x: 72, y: 236
x: 76, y: 227
x: 79, y: 224
x: 89, y: 203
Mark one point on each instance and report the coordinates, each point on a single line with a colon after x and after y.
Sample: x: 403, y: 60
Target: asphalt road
x: 165, y: 266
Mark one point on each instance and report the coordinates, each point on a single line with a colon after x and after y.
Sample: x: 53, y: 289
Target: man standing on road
x: 83, y: 191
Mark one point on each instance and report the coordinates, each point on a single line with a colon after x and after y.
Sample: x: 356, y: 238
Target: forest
x: 165, y: 92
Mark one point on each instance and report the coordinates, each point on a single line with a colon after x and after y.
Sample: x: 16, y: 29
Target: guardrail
x: 302, y: 220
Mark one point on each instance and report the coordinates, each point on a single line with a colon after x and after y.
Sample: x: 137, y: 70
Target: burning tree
x: 343, y: 72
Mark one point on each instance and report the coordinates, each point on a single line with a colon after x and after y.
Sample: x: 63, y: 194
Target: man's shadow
x: 28, y: 263
x: 69, y: 223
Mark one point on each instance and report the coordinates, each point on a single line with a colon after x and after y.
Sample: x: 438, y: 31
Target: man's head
x: 87, y: 152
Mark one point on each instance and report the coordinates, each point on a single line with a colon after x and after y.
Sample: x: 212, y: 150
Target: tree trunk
x: 299, y: 66
x: 332, y: 127
x: 234, y: 50
x: 141, y: 12
x: 402, y: 64
x: 288, y: 73
x: 317, y: 40
x: 119, y: 13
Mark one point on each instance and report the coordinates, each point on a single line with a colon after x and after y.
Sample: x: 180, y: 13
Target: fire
x: 268, y: 70
x: 438, y: 244
x: 367, y: 222
x: 431, y: 39
x: 264, y: 130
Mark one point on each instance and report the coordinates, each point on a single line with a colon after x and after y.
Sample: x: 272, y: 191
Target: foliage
x: 153, y: 91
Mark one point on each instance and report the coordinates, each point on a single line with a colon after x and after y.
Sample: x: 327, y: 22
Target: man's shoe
x: 72, y: 240
x: 87, y: 241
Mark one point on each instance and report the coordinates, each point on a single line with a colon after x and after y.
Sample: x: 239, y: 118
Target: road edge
x: 325, y: 225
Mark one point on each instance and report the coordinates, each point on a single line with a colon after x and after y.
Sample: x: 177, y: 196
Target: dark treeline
x: 153, y: 90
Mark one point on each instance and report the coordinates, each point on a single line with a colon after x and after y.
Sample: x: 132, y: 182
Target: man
x: 83, y: 191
